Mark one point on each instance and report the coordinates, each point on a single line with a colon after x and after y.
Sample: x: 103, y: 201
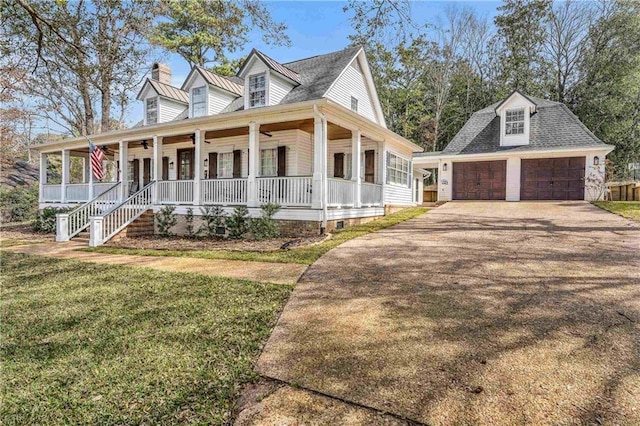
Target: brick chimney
x: 161, y: 72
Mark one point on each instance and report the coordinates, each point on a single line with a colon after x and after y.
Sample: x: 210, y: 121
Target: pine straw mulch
x: 157, y: 242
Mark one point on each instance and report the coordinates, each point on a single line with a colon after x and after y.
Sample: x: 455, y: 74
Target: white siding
x: 304, y: 150
x: 168, y: 110
x: 353, y: 83
x: 394, y: 194
x: 218, y: 100
x: 344, y: 146
x: 278, y: 89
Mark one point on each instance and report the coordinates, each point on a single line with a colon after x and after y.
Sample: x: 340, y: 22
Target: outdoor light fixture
x: 444, y: 167
x: 145, y: 144
x: 596, y: 161
x: 206, y: 162
x: 267, y: 134
x: 171, y: 165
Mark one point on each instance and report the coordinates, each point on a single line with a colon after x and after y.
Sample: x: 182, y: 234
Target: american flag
x: 97, y: 157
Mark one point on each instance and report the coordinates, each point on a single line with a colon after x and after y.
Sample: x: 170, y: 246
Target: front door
x: 185, y: 163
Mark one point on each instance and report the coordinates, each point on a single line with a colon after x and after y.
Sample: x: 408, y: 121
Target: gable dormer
x: 209, y: 93
x: 161, y: 102
x: 515, y: 118
x: 266, y: 82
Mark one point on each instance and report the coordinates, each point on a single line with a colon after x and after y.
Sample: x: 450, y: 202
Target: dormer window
x: 152, y: 110
x: 354, y: 104
x: 257, y: 90
x: 199, y: 101
x: 514, y: 122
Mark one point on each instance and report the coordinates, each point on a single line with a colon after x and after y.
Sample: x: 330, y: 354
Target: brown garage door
x: 480, y: 180
x: 552, y: 179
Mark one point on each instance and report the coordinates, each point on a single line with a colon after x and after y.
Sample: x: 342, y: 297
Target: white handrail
x: 72, y: 223
x: 285, y: 190
x: 223, y: 191
x: 175, y: 192
x: 110, y: 223
x: 371, y: 194
x: 341, y: 192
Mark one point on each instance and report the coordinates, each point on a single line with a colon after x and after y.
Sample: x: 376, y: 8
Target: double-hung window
x: 152, y: 110
x: 398, y: 170
x: 354, y: 104
x: 514, y: 122
x: 257, y: 90
x: 269, y: 162
x: 225, y: 165
x: 199, y: 101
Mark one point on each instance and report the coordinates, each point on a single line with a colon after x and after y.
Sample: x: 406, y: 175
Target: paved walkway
x: 474, y: 313
x: 279, y: 273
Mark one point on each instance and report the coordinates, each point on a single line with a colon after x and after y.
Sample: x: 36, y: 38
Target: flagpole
x: 90, y: 173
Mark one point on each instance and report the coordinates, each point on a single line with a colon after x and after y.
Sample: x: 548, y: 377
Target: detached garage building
x: 522, y: 148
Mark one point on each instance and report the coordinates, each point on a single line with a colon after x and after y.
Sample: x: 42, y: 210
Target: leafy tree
x: 206, y: 31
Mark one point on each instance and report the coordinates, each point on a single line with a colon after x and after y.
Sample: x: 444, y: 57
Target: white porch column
x: 356, y: 144
x: 157, y: 166
x: 123, y: 157
x: 43, y: 174
x: 254, y: 158
x: 319, y: 162
x: 65, y: 174
x: 197, y: 170
x: 382, y: 172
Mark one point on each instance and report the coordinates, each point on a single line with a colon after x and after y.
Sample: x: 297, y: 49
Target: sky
x: 315, y: 27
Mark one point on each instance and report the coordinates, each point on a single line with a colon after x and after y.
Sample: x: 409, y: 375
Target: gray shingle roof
x: 553, y: 125
x: 169, y: 91
x: 317, y: 74
x: 224, y: 83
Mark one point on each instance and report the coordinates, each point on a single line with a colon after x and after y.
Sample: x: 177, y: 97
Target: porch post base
x: 62, y: 227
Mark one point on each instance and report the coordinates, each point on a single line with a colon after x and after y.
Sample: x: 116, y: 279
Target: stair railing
x: 70, y: 224
x: 103, y: 227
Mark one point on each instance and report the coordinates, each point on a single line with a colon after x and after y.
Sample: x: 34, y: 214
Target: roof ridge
x: 322, y: 54
x: 152, y: 81
x: 268, y: 58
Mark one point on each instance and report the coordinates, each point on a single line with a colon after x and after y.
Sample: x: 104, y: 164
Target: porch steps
x: 142, y: 226
x: 82, y: 237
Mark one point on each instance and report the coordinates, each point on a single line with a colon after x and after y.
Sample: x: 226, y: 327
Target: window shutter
x: 213, y: 165
x: 237, y: 163
x: 338, y: 165
x: 410, y: 174
x: 282, y: 161
x: 165, y: 168
x: 136, y: 172
x: 386, y: 168
x: 370, y: 166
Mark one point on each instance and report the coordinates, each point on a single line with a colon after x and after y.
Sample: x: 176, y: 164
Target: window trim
x: 220, y: 171
x: 249, y: 91
x: 146, y: 109
x: 353, y: 98
x: 523, y: 121
x: 275, y: 162
x: 407, y: 173
x: 205, y: 101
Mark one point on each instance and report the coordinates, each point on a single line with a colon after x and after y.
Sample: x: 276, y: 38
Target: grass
x: 304, y: 255
x: 97, y: 344
x: 628, y: 209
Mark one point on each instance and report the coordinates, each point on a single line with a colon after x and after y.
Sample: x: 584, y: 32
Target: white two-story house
x: 308, y: 135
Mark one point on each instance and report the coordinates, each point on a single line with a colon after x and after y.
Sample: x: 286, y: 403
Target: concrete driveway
x: 474, y: 313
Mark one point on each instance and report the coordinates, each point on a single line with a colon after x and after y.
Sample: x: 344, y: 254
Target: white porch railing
x: 341, y: 192
x: 175, y: 192
x: 72, y: 223
x: 51, y: 192
x: 223, y: 191
x: 78, y: 192
x: 106, y: 226
x: 285, y: 190
x: 371, y: 194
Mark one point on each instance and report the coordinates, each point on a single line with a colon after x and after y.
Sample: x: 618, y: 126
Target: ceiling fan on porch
x: 145, y: 144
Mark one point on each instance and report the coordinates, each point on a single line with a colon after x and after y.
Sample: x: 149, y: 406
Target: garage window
x: 398, y: 170
x: 514, y: 123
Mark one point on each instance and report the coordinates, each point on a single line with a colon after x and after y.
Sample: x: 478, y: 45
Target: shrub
x: 45, y: 222
x: 265, y: 226
x: 19, y: 204
x: 191, y: 233
x: 238, y: 223
x: 212, y: 219
x: 166, y: 220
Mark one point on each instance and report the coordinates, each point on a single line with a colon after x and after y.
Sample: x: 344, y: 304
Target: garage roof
x: 553, y: 125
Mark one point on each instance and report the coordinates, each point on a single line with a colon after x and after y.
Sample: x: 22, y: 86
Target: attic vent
x: 161, y: 72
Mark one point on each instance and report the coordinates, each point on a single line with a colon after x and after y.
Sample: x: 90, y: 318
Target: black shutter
x: 213, y: 165
x: 146, y: 171
x: 237, y: 163
x: 370, y: 166
x: 165, y: 168
x: 338, y: 165
x: 136, y: 173
x: 282, y: 161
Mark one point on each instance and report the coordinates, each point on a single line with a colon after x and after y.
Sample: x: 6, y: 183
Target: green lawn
x: 305, y: 255
x: 628, y: 209
x: 95, y: 344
